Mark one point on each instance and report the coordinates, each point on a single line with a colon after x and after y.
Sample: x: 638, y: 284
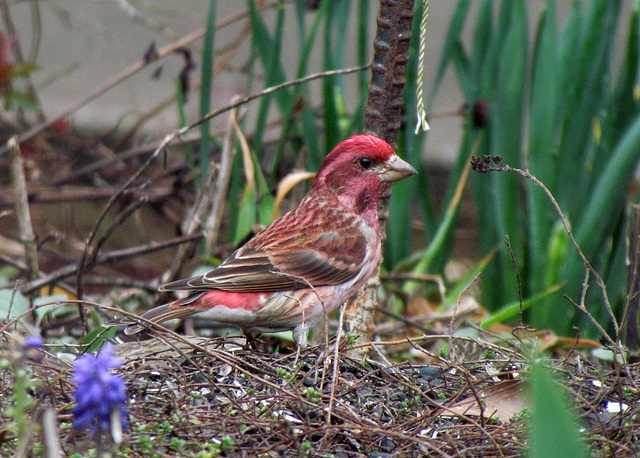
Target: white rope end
x: 422, y: 123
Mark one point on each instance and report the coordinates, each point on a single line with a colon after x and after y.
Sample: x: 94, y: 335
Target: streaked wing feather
x: 156, y: 315
x: 291, y: 254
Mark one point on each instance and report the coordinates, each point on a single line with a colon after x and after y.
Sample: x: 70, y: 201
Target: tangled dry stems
x: 192, y: 395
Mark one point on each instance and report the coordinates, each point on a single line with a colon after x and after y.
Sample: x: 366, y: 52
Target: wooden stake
x: 21, y: 201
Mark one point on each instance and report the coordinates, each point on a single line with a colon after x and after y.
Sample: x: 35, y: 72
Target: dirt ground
x: 195, y: 396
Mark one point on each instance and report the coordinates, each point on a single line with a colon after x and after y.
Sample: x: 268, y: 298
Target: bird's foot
x: 252, y: 341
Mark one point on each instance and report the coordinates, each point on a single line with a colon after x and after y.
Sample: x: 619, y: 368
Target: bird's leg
x: 300, y: 337
x: 295, y: 361
x: 251, y: 341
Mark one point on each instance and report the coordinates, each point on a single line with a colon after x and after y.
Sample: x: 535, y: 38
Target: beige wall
x: 85, y: 43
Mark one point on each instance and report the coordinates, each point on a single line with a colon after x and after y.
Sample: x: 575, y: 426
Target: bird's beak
x: 395, y: 169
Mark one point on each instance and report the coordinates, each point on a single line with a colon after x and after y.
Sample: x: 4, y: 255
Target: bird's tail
x: 159, y: 314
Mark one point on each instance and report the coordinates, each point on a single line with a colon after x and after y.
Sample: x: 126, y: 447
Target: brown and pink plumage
x: 306, y: 263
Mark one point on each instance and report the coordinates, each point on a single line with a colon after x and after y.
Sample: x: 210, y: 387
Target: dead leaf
x: 503, y: 400
x: 286, y: 185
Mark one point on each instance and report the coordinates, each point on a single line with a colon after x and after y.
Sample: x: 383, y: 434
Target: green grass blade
x: 265, y: 202
x: 363, y: 57
x: 544, y: 109
x: 506, y: 126
x: 555, y: 260
x: 410, y: 147
x: 182, y: 119
x: 454, y: 293
x: 342, y: 11
x: 554, y: 432
x: 511, y: 310
x: 398, y: 243
x: 603, y: 212
x: 205, y: 89
x: 471, y: 141
x: 624, y: 102
x: 610, y: 188
x: 463, y: 71
x: 363, y: 47
x: 496, y: 49
x: 569, y: 42
x: 269, y: 51
x: 247, y: 212
x: 453, y: 37
x: 492, y: 233
x: 331, y: 87
x: 614, y: 273
x: 439, y: 238
x: 307, y: 123
x: 481, y: 41
x: 588, y: 81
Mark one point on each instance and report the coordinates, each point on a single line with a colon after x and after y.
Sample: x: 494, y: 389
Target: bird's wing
x: 286, y: 258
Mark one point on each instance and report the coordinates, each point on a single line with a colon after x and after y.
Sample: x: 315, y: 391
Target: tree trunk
x: 383, y: 119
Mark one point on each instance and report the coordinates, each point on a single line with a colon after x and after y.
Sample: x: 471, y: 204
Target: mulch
x: 190, y: 395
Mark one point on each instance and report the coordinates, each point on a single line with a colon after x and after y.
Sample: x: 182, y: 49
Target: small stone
x: 430, y: 372
x: 387, y: 444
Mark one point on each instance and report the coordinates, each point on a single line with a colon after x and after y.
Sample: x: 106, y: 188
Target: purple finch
x: 306, y: 263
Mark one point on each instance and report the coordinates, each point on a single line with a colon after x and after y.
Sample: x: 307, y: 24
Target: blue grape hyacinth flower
x: 33, y: 342
x: 31, y: 348
x: 100, y: 394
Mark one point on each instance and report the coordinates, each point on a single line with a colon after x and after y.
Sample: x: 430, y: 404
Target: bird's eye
x: 366, y: 162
